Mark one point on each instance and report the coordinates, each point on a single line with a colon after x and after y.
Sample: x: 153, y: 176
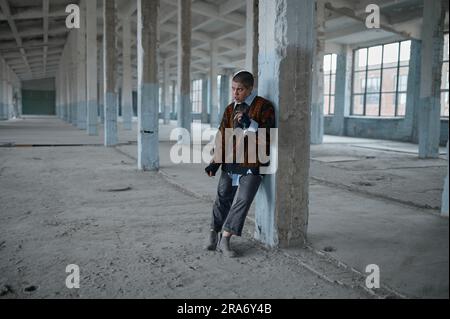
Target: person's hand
x: 211, y: 169
x: 238, y: 117
x: 242, y: 120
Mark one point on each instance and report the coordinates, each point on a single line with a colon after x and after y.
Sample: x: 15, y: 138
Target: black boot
x: 212, y: 242
x: 224, y: 247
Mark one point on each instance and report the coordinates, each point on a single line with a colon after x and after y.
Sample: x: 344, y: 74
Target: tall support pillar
x: 337, y: 121
x: 101, y: 88
x: 148, y: 85
x: 109, y: 64
x: 174, y: 98
x: 252, y: 47
x: 286, y: 60
x: 184, y: 64
x: 204, y: 100
x: 317, y: 121
x: 81, y: 69
x: 127, y: 95
x: 58, y: 82
x: 413, y: 94
x: 73, y: 80
x: 214, y: 111
x: 430, y: 86
x: 91, y: 67
x: 3, y: 113
x: 10, y: 95
x: 224, y: 93
x: 166, y: 93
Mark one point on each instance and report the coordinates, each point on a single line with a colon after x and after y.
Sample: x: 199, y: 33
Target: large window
x: 444, y: 84
x: 329, y: 74
x: 196, y: 96
x: 380, y: 79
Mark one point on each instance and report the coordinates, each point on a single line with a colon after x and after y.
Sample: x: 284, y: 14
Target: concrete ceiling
x: 33, y: 32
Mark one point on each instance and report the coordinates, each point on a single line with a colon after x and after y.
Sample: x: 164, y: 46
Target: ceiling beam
x: 351, y: 14
x: 34, y: 14
x: 230, y: 6
x: 4, y: 5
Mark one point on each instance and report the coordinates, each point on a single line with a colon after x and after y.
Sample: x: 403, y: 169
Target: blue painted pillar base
x: 92, y: 125
x: 148, y: 127
x: 110, y: 119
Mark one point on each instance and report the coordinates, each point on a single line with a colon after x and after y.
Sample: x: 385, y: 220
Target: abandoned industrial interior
x: 93, y: 93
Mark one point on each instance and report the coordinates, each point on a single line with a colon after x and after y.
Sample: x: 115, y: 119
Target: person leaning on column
x: 249, y: 113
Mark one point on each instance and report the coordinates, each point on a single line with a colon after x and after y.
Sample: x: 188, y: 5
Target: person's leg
x: 223, y: 202
x: 221, y: 208
x: 248, y: 186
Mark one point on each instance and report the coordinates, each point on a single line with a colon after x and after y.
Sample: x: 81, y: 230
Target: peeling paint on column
x: 148, y: 86
x: 431, y: 70
x: 109, y: 63
x: 148, y: 128
x: 81, y: 69
x: 110, y: 119
x: 184, y: 64
x: 285, y: 78
x: 127, y: 98
x: 91, y: 68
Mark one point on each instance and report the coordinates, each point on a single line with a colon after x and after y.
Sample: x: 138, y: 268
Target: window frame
x: 332, y: 75
x: 196, y: 96
x: 381, y: 69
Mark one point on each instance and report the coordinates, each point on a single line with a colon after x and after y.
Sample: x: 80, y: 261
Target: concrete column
x: 214, y: 111
x: 204, y: 100
x: 61, y: 86
x: 65, y: 112
x: 10, y: 96
x: 109, y: 74
x: 61, y: 91
x: 3, y: 114
x: 4, y: 91
x: 73, y: 80
x: 184, y: 64
x: 252, y: 49
x: 174, y: 94
x: 317, y: 122
x: 58, y: 94
x: 74, y: 96
x: 81, y: 68
x: 91, y: 64
x: 19, y: 101
x: 64, y: 66
x: 148, y: 85
x: 444, y: 205
x: 68, y: 88
x: 285, y: 62
x: 430, y: 95
x: 337, y: 121
x: 413, y: 94
x: 127, y: 94
x: 101, y: 89
x: 224, y: 93
x: 166, y: 93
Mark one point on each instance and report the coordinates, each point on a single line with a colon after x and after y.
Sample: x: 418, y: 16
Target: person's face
x: 240, y: 92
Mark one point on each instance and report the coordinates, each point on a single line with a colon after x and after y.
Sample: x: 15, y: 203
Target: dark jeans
x: 226, y: 215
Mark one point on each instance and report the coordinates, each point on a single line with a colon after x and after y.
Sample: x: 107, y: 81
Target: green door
x: 38, y: 102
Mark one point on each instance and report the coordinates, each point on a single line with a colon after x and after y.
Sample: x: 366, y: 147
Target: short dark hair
x: 245, y: 78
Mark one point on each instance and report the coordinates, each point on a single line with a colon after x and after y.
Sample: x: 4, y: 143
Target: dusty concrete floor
x: 371, y: 202
x: 58, y: 209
